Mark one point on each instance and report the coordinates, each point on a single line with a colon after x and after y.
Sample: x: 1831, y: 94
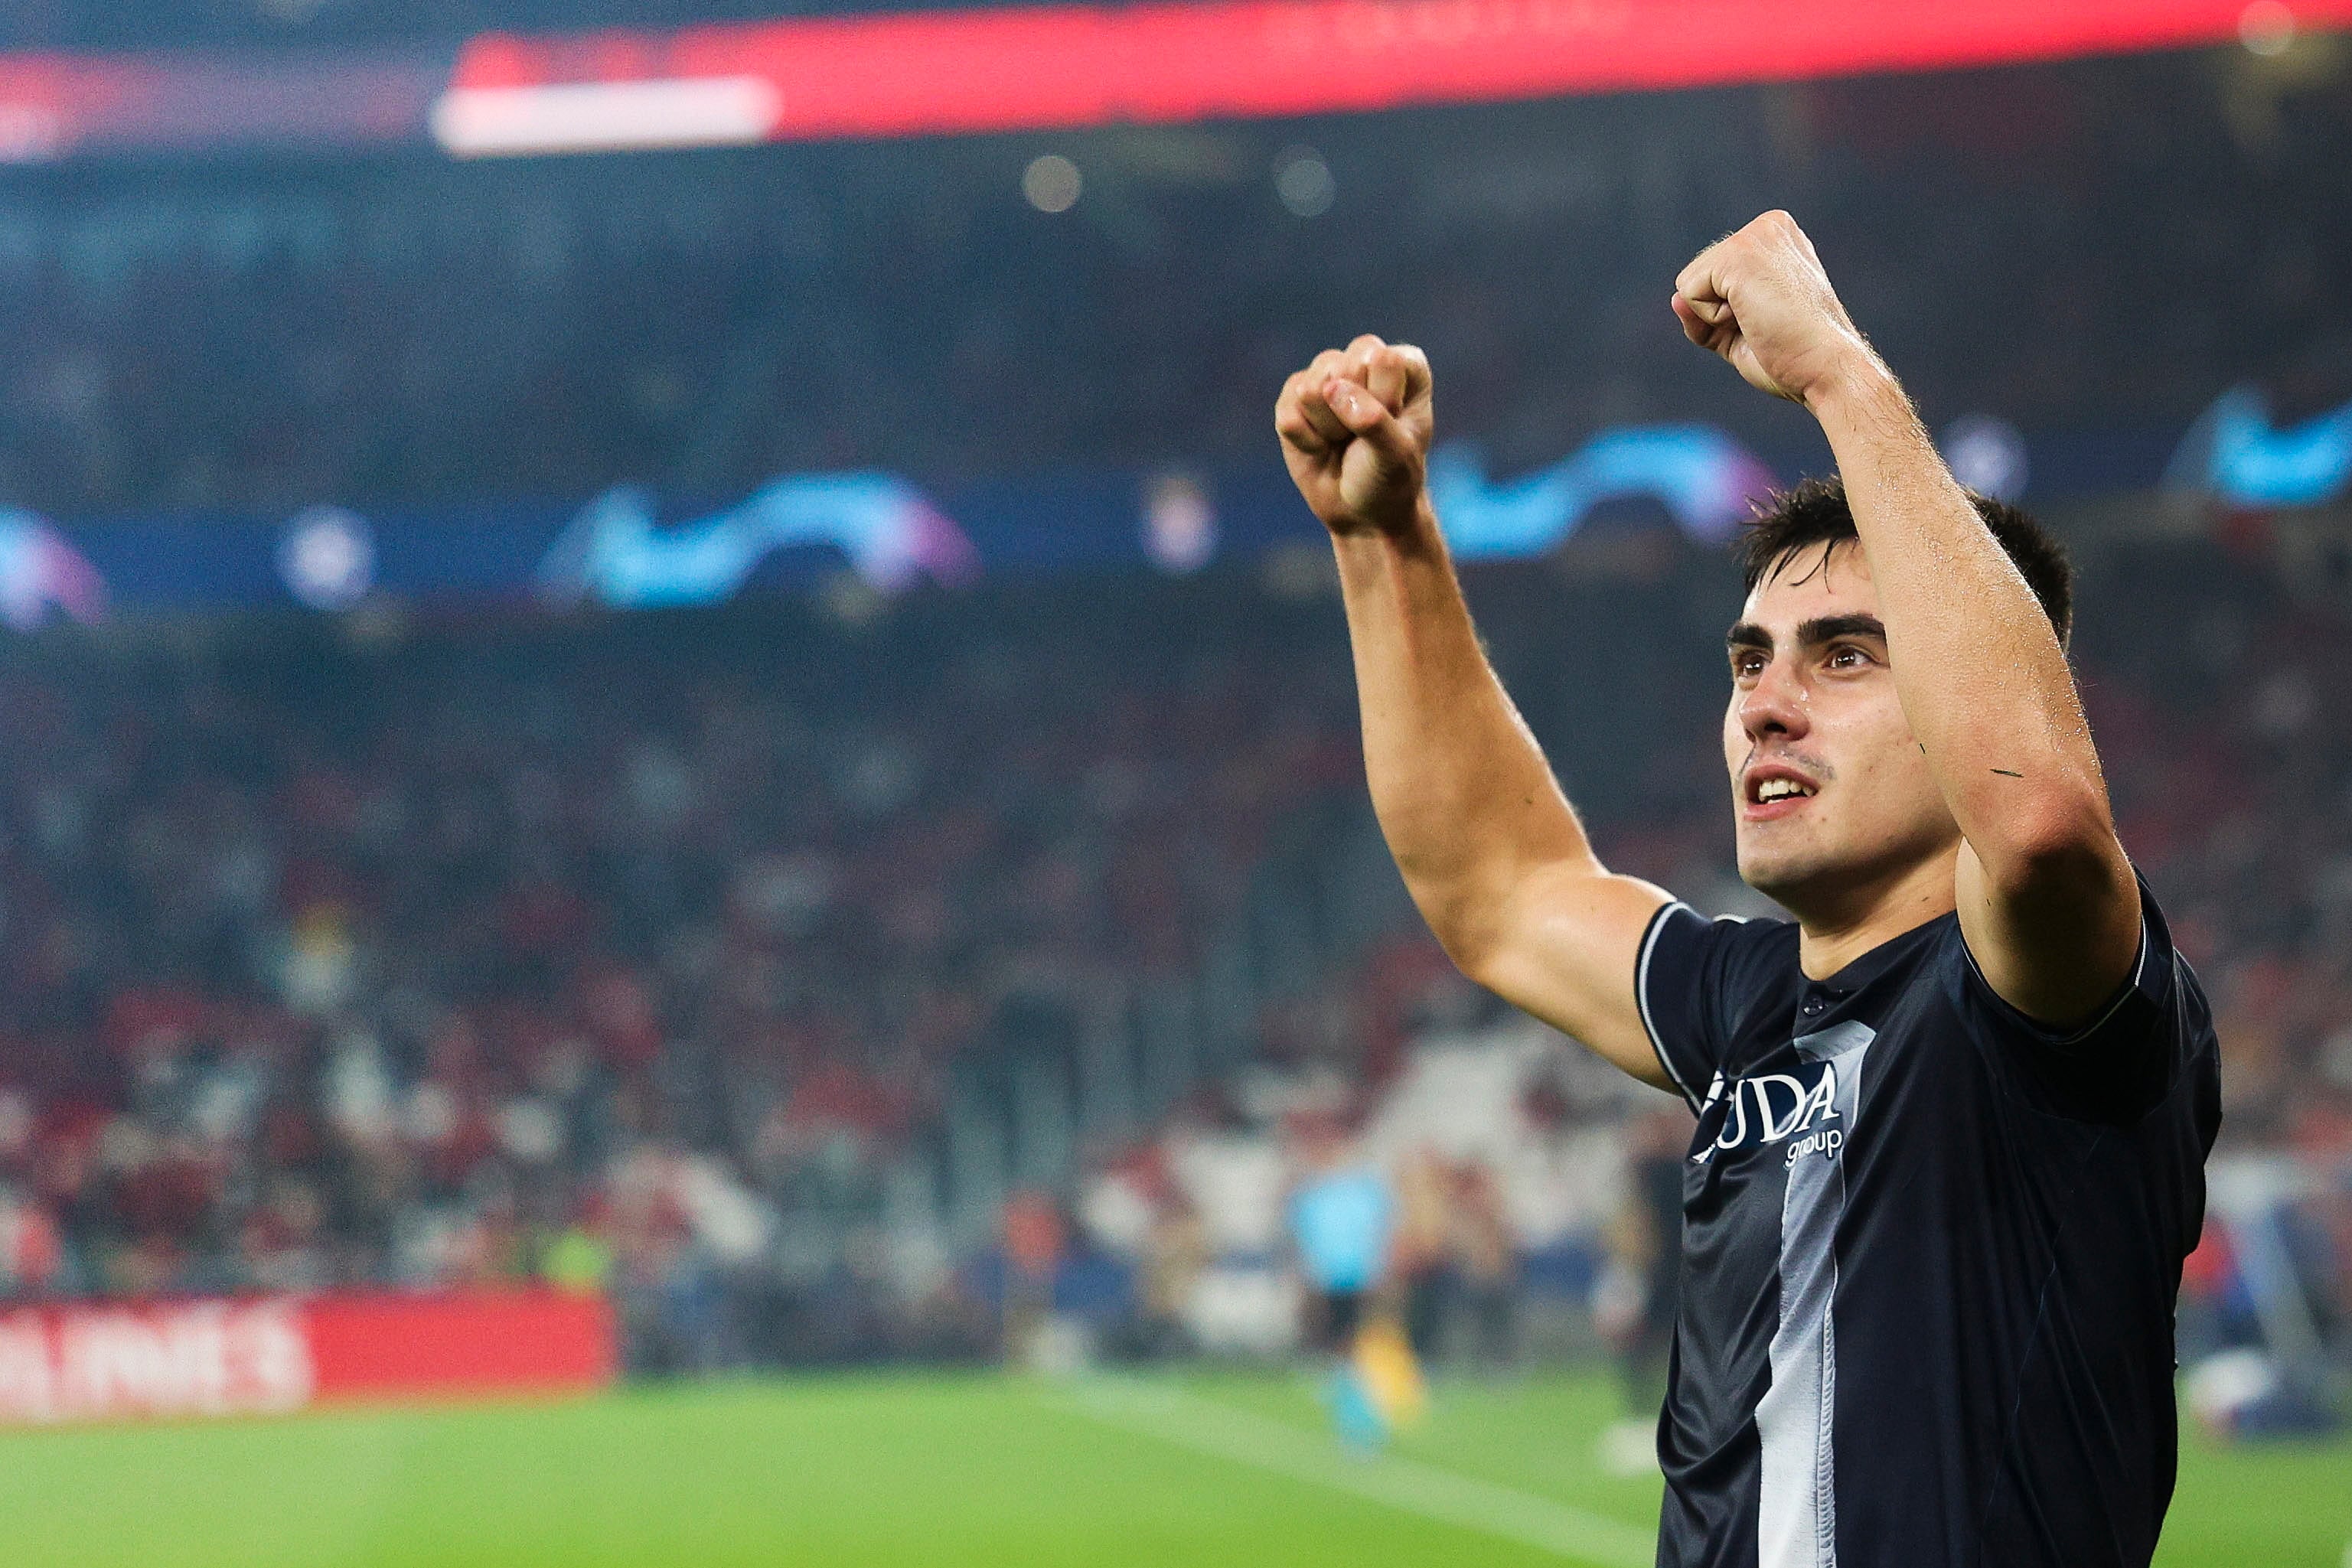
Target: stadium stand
x: 753, y: 960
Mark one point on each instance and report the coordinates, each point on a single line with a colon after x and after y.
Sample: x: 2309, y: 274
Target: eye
x: 1850, y: 656
x: 1747, y: 663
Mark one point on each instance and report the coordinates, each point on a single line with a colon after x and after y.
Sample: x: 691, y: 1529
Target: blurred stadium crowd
x: 396, y: 965
x: 840, y: 978
x: 269, y: 336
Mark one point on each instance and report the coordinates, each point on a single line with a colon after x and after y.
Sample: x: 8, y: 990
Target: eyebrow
x: 1810, y: 633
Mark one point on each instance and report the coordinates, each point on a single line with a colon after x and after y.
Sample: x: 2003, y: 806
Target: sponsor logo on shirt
x: 1797, y: 1108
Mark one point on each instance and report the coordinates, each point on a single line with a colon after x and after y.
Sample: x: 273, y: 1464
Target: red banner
x: 269, y: 1355
x: 1050, y: 67
x: 1067, y: 66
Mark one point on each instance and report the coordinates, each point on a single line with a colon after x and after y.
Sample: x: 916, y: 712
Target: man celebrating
x: 1951, y: 1119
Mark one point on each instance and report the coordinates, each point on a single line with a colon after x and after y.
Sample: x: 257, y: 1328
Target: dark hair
x: 1815, y: 513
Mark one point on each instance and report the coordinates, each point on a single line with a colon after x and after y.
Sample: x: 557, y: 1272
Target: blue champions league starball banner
x: 2236, y: 453
x: 631, y: 548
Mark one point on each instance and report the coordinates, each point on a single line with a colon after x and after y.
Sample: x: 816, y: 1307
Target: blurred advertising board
x: 272, y: 1355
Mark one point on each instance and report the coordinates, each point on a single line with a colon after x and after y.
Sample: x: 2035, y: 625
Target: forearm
x: 1488, y: 844
x: 2041, y: 885
x: 1983, y: 679
x: 1462, y: 791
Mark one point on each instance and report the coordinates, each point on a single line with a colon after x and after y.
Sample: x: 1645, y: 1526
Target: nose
x: 1775, y: 704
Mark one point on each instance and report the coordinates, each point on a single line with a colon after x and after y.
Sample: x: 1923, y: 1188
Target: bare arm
x: 1489, y: 847
x: 2046, y: 895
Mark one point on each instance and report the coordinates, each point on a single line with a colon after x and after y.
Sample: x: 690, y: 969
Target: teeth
x: 1779, y: 789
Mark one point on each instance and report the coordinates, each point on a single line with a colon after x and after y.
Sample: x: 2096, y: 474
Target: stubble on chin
x: 1778, y: 869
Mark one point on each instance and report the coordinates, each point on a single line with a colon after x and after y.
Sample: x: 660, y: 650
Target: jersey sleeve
x: 1689, y: 980
x: 2121, y: 1063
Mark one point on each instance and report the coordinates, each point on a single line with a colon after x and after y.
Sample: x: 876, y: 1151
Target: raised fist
x: 1355, y: 431
x: 1760, y: 299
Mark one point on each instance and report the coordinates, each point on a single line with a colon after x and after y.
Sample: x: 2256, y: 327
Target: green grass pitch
x: 884, y: 1470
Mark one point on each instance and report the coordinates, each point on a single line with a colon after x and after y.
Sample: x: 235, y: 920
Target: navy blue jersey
x: 1930, y: 1253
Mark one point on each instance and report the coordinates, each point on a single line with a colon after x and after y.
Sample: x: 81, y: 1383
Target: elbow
x: 1482, y: 921
x: 1468, y: 941
x: 1478, y: 961
x: 1466, y: 920
x: 2060, y: 843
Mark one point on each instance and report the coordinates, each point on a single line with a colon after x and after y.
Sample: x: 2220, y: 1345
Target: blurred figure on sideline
x: 1342, y: 1220
x: 1175, y: 1254
x: 1636, y: 1308
x: 1485, y: 1266
x: 1035, y: 1240
x: 1421, y: 1259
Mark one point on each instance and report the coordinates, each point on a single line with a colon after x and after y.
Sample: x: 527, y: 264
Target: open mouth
x: 1773, y: 787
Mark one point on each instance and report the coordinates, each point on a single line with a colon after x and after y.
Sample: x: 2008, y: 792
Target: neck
x: 1840, y: 930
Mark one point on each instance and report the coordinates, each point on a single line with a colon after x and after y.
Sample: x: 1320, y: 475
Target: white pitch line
x: 1221, y: 1431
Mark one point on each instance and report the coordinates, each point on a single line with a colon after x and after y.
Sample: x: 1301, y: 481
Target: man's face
x: 1831, y: 793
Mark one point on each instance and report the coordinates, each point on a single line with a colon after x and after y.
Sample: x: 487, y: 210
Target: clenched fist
x: 1760, y: 299
x: 1355, y: 431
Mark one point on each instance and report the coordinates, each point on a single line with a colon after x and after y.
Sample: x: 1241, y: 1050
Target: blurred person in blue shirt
x: 1342, y: 1214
